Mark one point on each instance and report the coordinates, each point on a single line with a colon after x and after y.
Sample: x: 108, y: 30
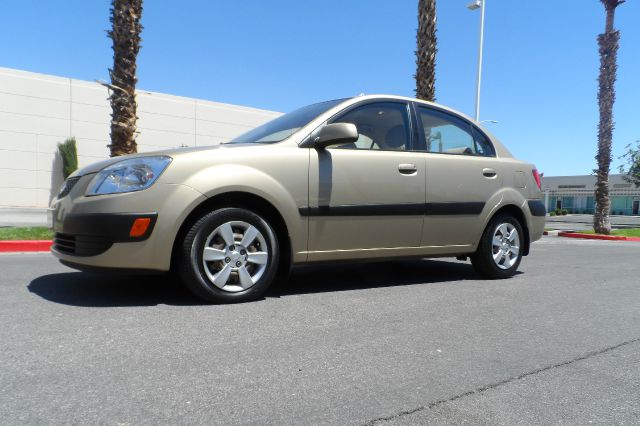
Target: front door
x: 636, y: 208
x: 369, y: 194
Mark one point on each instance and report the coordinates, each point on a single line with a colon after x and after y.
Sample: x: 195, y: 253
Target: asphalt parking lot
x: 409, y: 342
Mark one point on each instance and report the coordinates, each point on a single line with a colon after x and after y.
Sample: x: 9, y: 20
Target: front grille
x: 81, y: 245
x: 67, y: 186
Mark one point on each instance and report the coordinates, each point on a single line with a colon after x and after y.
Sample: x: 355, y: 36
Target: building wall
x: 37, y: 111
x: 577, y: 194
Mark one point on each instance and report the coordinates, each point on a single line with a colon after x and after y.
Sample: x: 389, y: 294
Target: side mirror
x: 336, y: 134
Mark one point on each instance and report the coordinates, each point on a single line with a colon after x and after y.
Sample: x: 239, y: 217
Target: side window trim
x: 472, y: 130
x: 409, y: 117
x: 417, y: 134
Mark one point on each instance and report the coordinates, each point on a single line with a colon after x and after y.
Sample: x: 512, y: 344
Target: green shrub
x: 565, y: 212
x: 558, y: 212
x: 69, y: 154
x: 552, y: 213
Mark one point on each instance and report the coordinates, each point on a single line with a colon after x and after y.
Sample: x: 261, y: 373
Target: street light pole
x: 473, y: 6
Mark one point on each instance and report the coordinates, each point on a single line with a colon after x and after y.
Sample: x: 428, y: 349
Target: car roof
x: 408, y: 99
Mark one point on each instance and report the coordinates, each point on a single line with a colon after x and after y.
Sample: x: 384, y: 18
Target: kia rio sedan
x: 365, y: 178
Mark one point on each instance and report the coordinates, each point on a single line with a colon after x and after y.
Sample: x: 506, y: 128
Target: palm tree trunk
x: 125, y: 34
x: 427, y: 49
x: 608, y: 48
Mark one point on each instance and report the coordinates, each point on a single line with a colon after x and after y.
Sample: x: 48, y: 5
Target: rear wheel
x: 500, y: 250
x: 229, y: 255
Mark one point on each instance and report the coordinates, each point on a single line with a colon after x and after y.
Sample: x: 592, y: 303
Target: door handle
x: 407, y: 169
x: 489, y: 172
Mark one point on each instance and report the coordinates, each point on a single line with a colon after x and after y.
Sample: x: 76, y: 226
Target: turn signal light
x: 139, y: 227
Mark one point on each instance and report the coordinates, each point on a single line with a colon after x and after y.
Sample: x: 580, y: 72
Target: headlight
x: 129, y: 175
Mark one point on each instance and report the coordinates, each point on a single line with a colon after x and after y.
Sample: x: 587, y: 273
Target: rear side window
x: 483, y: 146
x: 447, y: 134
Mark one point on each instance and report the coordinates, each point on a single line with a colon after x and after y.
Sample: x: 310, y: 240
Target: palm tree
x: 125, y: 34
x: 608, y: 47
x: 426, y: 53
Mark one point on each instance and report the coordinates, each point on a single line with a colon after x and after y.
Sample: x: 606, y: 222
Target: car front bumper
x: 94, y: 231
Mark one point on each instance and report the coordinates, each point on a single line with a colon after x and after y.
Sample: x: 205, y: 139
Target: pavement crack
x: 500, y: 383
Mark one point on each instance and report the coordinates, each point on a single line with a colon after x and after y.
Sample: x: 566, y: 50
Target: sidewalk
x: 15, y: 216
x: 579, y: 222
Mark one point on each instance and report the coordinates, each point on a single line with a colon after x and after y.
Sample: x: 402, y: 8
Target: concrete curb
x: 597, y: 237
x: 7, y: 246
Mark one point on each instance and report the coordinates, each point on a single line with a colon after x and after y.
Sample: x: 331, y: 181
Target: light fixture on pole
x: 479, y: 4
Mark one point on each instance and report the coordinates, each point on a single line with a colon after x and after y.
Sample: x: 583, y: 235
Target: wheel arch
x: 249, y: 201
x: 518, y: 214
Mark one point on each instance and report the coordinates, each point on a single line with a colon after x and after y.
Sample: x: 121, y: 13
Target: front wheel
x: 229, y: 255
x: 500, y: 250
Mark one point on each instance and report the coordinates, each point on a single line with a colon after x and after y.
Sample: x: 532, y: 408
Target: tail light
x: 536, y: 176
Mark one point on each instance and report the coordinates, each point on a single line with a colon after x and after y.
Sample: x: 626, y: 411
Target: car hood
x: 174, y: 152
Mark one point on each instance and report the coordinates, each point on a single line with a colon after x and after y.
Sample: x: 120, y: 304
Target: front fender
x: 286, y: 196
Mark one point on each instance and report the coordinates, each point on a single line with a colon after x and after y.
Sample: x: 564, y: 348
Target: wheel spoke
x: 496, y: 241
x: 258, y: 257
x: 221, y: 278
x: 245, y: 277
x: 513, y: 234
x: 226, y: 232
x: 507, y: 258
x: 497, y: 256
x: 249, y: 235
x: 211, y: 254
x: 515, y: 250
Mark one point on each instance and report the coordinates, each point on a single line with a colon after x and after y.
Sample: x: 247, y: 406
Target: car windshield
x: 285, y: 125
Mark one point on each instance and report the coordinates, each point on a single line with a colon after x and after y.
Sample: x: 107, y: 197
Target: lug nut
x: 232, y: 248
x: 238, y: 264
x: 243, y: 252
x: 227, y: 259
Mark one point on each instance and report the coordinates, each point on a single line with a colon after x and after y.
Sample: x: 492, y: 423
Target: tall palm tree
x: 125, y: 34
x: 427, y: 48
x: 608, y: 47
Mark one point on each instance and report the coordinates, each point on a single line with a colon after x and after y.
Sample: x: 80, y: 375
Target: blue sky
x: 540, y: 73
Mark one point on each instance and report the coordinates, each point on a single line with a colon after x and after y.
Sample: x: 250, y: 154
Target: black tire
x: 483, y: 261
x: 191, y: 265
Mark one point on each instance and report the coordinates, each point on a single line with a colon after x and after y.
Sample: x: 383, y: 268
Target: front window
x: 381, y: 126
x: 284, y: 126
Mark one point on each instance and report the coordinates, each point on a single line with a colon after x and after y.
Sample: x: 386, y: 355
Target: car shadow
x: 112, y: 290
x: 347, y: 277
x: 105, y: 290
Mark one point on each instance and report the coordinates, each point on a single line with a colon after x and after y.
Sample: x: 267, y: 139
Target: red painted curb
x: 597, y: 237
x: 24, y: 245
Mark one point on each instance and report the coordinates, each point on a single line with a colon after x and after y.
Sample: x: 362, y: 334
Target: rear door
x: 462, y: 173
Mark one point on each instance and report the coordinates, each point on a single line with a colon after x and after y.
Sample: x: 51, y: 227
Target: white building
x: 38, y: 111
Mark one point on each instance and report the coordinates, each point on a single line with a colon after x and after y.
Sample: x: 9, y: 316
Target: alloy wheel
x: 235, y: 256
x: 505, y: 246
